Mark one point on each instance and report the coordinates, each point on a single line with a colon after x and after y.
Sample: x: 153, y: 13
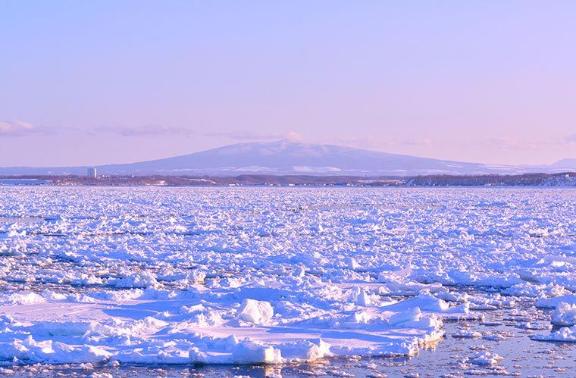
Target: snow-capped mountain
x: 291, y: 158
x: 285, y: 157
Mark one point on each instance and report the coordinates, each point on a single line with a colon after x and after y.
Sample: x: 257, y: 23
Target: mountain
x: 284, y: 157
x: 290, y: 158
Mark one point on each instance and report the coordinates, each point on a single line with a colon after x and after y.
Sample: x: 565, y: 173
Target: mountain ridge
x: 285, y: 157
x: 294, y: 158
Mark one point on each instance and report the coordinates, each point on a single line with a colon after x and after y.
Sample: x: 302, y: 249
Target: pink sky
x: 106, y: 81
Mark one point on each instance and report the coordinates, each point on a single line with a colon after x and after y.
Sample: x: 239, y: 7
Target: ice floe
x: 256, y: 275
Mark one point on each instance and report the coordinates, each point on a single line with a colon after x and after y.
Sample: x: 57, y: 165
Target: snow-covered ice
x: 271, y: 275
x: 564, y: 315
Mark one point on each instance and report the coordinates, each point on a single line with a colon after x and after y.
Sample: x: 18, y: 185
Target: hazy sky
x: 89, y: 82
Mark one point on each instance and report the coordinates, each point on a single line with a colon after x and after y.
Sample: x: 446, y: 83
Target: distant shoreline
x: 567, y: 179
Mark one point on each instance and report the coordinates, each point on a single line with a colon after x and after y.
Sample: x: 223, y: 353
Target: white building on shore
x: 92, y: 173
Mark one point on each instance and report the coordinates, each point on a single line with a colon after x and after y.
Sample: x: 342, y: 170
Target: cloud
x: 254, y: 136
x: 21, y: 129
x: 527, y: 144
x: 379, y: 144
x: 145, y: 131
x: 570, y: 139
x: 17, y: 128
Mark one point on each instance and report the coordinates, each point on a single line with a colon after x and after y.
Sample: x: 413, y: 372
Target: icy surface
x: 267, y: 275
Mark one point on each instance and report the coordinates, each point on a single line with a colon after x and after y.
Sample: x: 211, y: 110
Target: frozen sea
x: 262, y: 282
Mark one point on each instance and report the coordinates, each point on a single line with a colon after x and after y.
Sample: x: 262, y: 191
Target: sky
x: 108, y: 81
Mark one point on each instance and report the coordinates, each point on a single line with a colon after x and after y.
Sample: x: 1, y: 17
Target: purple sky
x: 119, y: 81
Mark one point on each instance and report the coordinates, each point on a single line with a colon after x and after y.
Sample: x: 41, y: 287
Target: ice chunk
x: 25, y: 298
x: 257, y: 312
x: 249, y: 352
x: 564, y: 334
x: 485, y: 358
x: 564, y: 315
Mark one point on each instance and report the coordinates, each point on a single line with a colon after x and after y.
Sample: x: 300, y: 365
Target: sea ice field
x: 287, y: 282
